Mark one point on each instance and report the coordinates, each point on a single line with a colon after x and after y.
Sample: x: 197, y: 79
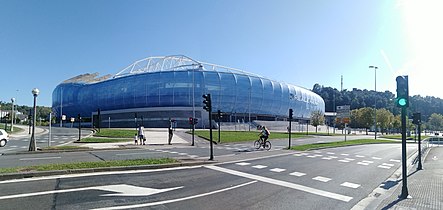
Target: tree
x: 317, y: 118
x: 435, y: 122
x: 384, y: 119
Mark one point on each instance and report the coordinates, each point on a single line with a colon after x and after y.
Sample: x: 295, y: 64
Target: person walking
x: 170, y: 133
x: 141, y: 135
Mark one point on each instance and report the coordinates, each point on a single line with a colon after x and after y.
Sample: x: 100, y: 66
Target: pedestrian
x: 170, y: 134
x: 141, y: 135
x: 136, y: 139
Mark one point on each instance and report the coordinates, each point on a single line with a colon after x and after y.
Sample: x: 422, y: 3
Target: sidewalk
x: 153, y: 137
x: 425, y: 187
x: 25, y: 131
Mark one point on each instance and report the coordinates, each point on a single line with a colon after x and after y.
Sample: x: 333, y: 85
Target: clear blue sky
x: 302, y: 42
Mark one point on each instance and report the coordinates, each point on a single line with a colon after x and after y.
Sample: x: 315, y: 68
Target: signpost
x: 344, y: 116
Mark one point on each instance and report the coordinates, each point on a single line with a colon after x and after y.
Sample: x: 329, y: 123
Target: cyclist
x: 264, y: 134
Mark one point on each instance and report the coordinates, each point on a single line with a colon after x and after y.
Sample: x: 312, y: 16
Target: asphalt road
x: 324, y: 179
x: 60, y: 136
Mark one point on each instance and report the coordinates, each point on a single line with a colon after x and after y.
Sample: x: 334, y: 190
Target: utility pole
x: 402, y: 101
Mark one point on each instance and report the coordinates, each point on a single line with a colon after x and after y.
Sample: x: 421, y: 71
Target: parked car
x: 4, y: 136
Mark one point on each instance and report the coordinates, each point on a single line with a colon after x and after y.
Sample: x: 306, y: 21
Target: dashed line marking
x: 388, y: 164
x: 363, y: 163
x: 42, y: 158
x: 183, y: 153
x: 243, y: 164
x: 327, y: 158
x: 278, y: 170
x: 311, y: 156
x: 333, y: 157
x: 259, y: 166
x: 298, y: 155
x: 344, y: 161
x: 321, y: 179
x: 360, y: 156
x: 350, y: 185
x: 330, y: 153
x: 394, y: 160
x: 193, y: 156
x: 298, y: 174
x: 345, y: 154
x: 383, y: 166
x: 376, y: 158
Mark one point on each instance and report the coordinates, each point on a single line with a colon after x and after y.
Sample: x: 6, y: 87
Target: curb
x: 4, y: 177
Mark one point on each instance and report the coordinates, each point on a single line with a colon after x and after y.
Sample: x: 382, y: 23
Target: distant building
x: 153, y: 90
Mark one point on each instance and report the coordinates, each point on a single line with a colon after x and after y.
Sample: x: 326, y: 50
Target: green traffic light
x: 402, y: 102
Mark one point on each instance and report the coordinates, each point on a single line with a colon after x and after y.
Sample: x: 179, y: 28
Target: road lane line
x: 321, y: 179
x: 284, y: 184
x: 350, y: 185
x: 299, y: 174
x: 243, y: 164
x: 139, y: 153
x: 259, y: 166
x: 383, y: 166
x: 393, y: 160
x: 376, y: 158
x: 360, y: 156
x: 278, y: 170
x: 42, y: 158
x: 174, y: 200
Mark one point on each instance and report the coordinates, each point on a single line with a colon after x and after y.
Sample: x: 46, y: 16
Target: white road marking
x: 42, y: 158
x: 363, y: 163
x: 298, y: 155
x: 311, y: 156
x: 183, y: 153
x: 173, y: 200
x: 193, y: 156
x: 259, y: 166
x: 14, y: 146
x: 360, y: 156
x: 350, y: 159
x: 327, y: 158
x: 299, y: 174
x: 330, y: 153
x: 376, y: 158
x: 65, y: 138
x: 284, y: 184
x: 383, y: 166
x: 173, y: 152
x: 350, y: 185
x: 394, y: 160
x: 23, y: 147
x: 367, y: 161
x: 333, y: 157
x: 344, y: 161
x: 345, y: 154
x: 321, y: 179
x: 387, y: 164
x: 243, y: 164
x: 278, y: 170
x: 139, y: 153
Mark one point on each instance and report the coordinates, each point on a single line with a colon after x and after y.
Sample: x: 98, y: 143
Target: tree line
x: 388, y: 115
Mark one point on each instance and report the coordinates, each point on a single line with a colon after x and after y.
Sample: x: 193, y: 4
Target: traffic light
x: 195, y: 121
x: 402, y: 91
x: 207, y: 103
x: 416, y: 118
x: 191, y: 120
x: 291, y: 113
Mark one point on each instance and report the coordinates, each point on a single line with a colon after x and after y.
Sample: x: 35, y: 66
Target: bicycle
x: 259, y: 143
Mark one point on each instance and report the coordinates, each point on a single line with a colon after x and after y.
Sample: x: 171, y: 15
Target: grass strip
x: 103, y: 140
x: 340, y: 144
x: 238, y: 136
x: 83, y: 165
x: 116, y: 133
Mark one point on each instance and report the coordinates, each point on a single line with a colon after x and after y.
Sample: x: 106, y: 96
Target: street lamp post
x: 12, y: 114
x: 32, y: 144
x: 375, y: 101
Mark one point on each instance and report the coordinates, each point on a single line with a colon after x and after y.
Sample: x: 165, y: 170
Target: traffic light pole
x: 218, y: 115
x: 290, y: 128
x: 211, y: 157
x: 193, y: 128
x: 404, y: 190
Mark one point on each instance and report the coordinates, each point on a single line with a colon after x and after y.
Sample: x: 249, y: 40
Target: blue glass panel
x: 228, y: 88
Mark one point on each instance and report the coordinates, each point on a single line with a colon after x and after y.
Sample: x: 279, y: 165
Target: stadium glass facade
x: 151, y: 95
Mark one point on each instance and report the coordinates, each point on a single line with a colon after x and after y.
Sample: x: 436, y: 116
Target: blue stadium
x: 154, y: 90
